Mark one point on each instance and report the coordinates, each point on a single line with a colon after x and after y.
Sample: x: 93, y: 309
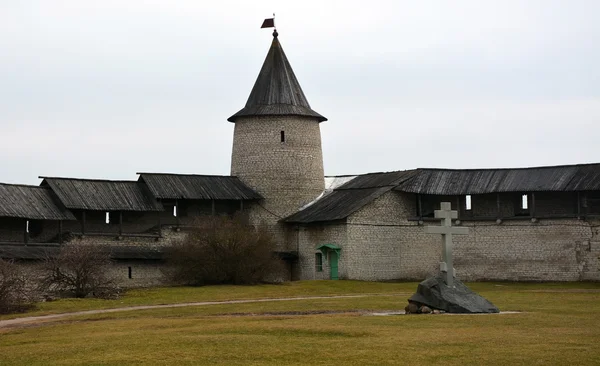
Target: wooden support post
x: 213, y: 211
x: 241, y: 205
x: 159, y: 225
x: 177, y: 211
x: 578, y: 205
x: 60, y: 230
x: 83, y: 222
x: 498, y: 212
x: 532, y: 208
x: 120, y: 223
x: 419, y: 207
x: 458, y: 207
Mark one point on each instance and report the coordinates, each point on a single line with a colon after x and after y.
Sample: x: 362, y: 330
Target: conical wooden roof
x: 276, y: 91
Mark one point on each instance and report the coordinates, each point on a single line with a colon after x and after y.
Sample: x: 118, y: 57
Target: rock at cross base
x: 425, y: 310
x: 434, y: 293
x: 411, y: 308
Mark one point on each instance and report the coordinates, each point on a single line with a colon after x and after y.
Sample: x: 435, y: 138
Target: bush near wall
x: 80, y: 270
x: 14, y: 290
x: 223, y: 250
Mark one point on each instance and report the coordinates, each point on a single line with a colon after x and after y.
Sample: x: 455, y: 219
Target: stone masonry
x: 381, y: 243
x: 287, y: 174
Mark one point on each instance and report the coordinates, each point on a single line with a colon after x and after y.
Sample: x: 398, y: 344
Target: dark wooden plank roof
x: 478, y: 181
x: 349, y: 197
x: 375, y: 180
x: 102, y: 195
x: 197, y: 187
x: 337, y: 205
x: 31, y: 202
x: 586, y: 178
x: 361, y: 190
x: 276, y: 91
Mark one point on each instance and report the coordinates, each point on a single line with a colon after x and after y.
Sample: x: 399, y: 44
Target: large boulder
x: 434, y: 293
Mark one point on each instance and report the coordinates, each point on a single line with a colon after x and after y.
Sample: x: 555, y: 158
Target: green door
x: 333, y: 265
x: 333, y: 251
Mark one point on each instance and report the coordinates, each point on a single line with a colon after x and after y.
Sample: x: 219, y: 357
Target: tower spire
x: 277, y: 142
x: 276, y: 91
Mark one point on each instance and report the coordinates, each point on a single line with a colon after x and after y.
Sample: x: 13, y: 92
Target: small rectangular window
x: 282, y: 136
x: 468, y: 202
x: 175, y: 211
x: 129, y: 272
x: 107, y: 218
x: 524, y: 202
x: 319, y: 262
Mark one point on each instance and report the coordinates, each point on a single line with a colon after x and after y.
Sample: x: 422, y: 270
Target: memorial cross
x: 446, y: 214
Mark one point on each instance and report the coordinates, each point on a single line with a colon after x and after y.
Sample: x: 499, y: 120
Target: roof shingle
x: 102, y: 195
x: 276, y: 91
x: 31, y: 202
x: 198, y: 187
x: 349, y: 197
x: 478, y: 181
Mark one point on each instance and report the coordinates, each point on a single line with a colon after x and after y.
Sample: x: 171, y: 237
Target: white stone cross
x: 446, y: 214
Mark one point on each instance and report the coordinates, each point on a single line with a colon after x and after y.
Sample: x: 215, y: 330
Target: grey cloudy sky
x: 104, y: 89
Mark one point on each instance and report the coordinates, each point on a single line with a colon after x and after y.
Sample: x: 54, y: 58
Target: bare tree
x: 223, y: 250
x: 14, y: 293
x: 80, y: 271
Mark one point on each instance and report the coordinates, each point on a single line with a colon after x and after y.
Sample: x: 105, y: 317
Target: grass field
x: 559, y: 324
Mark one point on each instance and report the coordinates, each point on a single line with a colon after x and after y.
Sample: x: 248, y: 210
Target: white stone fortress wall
x: 383, y: 244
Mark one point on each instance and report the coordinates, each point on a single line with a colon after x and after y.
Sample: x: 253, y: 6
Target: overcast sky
x: 105, y: 89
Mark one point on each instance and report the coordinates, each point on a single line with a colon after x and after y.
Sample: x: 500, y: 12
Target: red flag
x: 268, y: 23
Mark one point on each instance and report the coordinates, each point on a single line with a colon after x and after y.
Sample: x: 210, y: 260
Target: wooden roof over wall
x: 358, y: 192
x: 197, y: 187
x: 102, y: 195
x: 350, y: 197
x: 31, y: 202
x: 565, y: 178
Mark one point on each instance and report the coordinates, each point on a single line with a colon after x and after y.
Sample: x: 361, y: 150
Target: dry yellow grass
x: 176, y: 295
x: 559, y: 325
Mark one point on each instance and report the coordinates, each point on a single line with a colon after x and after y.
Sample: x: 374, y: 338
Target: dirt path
x: 31, y: 320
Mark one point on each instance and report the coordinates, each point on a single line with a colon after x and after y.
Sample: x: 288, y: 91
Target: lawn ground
x: 558, y: 324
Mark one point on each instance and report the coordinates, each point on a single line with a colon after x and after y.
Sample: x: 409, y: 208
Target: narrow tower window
x: 107, y: 218
x: 524, y: 202
x: 282, y: 136
x: 175, y: 211
x: 27, y: 226
x: 129, y: 272
x: 468, y: 202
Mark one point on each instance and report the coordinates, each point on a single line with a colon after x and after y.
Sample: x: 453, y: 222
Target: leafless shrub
x: 222, y: 250
x: 80, y: 271
x: 14, y: 293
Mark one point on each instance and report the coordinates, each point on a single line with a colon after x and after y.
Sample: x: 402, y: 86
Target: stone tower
x: 277, y: 140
